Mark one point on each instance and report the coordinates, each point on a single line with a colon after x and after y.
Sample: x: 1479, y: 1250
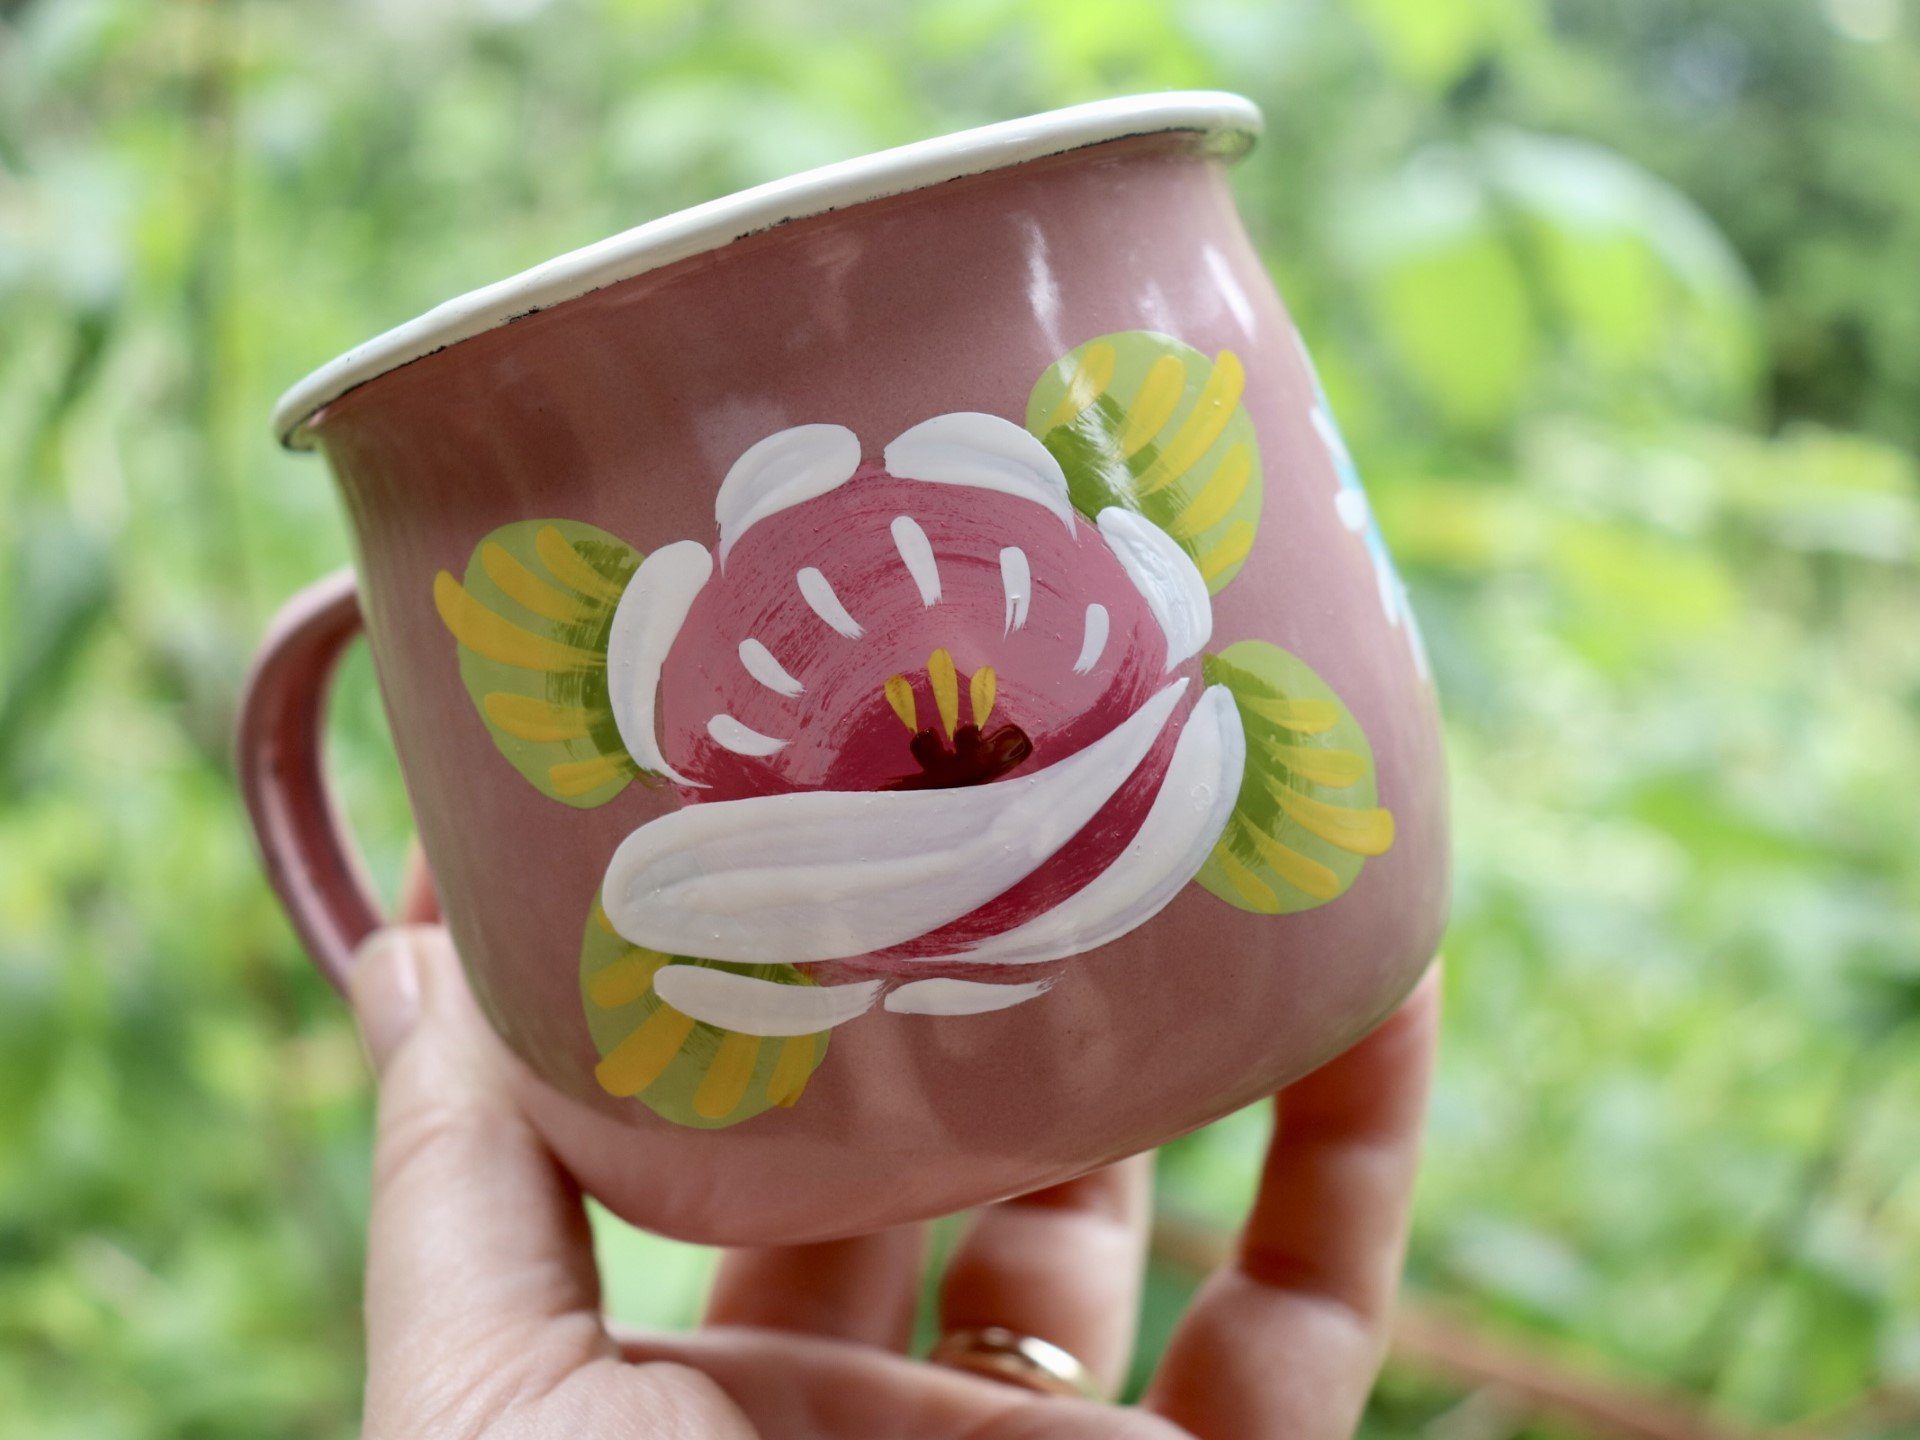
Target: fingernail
x: 386, y: 993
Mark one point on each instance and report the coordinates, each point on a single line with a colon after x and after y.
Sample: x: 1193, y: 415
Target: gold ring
x: 1016, y: 1359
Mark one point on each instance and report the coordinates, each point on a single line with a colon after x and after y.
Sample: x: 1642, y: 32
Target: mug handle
x: 311, y: 860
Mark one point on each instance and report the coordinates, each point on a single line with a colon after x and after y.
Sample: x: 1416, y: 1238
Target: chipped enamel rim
x: 1229, y: 123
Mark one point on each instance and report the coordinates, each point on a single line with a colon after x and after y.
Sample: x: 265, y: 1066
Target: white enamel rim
x: 1229, y: 124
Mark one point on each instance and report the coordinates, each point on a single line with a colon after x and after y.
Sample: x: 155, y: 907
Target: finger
x: 1287, y: 1338
x: 804, y: 1388
x: 1063, y: 1264
x: 419, y: 899
x: 864, y: 1289
x: 480, y: 1272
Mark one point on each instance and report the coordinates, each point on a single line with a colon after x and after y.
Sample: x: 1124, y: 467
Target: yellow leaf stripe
x: 1218, y: 496
x: 1360, y: 832
x: 1229, y: 551
x: 640, y: 1059
x: 570, y: 568
x: 1300, y: 871
x: 1306, y: 716
x: 727, y: 1077
x: 1323, y: 766
x: 527, y: 717
x: 791, y: 1070
x: 1159, y: 397
x: 582, y: 777
x: 522, y: 586
x: 496, y: 638
x: 1211, y: 412
x: 1249, y: 886
x: 1091, y: 376
x: 625, y: 980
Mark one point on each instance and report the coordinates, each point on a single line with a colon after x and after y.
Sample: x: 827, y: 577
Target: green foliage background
x: 1620, y: 303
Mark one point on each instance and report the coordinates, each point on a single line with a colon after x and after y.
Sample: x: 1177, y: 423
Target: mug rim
x: 1228, y: 125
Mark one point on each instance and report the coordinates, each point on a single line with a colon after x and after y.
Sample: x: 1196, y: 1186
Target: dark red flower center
x: 951, y: 753
x: 971, y: 759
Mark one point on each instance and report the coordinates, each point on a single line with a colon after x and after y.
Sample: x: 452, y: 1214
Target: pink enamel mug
x: 900, y: 691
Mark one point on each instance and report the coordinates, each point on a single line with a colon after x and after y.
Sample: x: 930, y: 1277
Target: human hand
x: 483, y: 1302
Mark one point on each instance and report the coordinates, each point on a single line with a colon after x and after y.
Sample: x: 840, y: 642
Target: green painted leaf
x: 684, y: 1071
x: 1143, y: 421
x: 532, y: 617
x: 1308, y: 817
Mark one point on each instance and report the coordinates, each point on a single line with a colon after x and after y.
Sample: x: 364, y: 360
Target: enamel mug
x: 900, y: 691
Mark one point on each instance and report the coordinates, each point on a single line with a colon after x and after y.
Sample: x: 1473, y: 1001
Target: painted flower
x: 927, y: 724
x: 937, y: 716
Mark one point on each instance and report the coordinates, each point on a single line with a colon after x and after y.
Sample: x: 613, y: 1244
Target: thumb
x: 480, y: 1266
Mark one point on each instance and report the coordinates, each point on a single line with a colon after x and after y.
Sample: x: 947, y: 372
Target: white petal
x: 961, y: 997
x: 970, y: 448
x: 824, y: 601
x: 730, y: 734
x: 1093, y: 641
x: 780, y: 471
x: 645, y: 625
x: 1016, y: 582
x: 1195, y: 802
x: 1165, y: 577
x: 760, y: 664
x: 917, y: 553
x: 828, y: 874
x: 761, y: 1007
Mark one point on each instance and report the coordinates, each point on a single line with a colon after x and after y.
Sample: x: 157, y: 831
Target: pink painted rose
x: 930, y: 727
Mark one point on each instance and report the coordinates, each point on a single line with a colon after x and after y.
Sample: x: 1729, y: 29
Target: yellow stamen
x: 728, y: 1075
x: 1092, y: 375
x: 946, y: 689
x: 1159, y: 397
x: 520, y: 584
x: 980, y: 692
x: 570, y: 567
x: 490, y: 636
x: 900, y: 697
x: 1211, y: 411
x: 640, y: 1059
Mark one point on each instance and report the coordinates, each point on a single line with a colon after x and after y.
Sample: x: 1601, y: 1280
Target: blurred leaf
x: 1447, y: 292
x: 1510, y: 271
x: 1639, y: 275
x: 1433, y: 44
x: 62, y: 584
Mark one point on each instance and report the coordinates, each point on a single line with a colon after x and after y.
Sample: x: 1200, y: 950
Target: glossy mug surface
x: 904, y: 705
